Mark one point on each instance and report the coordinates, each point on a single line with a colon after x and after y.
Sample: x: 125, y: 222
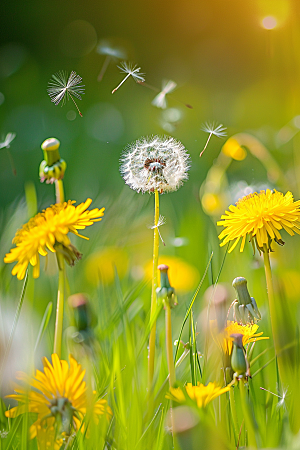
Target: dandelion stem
x: 60, y: 305
x: 272, y: 308
x: 249, y: 420
x: 59, y: 191
x: 104, y: 67
x: 234, y: 414
x: 127, y: 76
x: 169, y: 344
x: 206, y: 144
x: 153, y: 294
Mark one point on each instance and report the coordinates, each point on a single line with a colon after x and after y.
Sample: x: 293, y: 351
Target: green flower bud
x: 239, y: 361
x: 245, y: 307
x: 52, y: 168
x: 166, y: 293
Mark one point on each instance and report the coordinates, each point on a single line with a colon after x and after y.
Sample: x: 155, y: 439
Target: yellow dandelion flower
x: 58, y: 395
x: 200, y: 394
x: 248, y: 331
x: 260, y: 216
x: 47, y: 229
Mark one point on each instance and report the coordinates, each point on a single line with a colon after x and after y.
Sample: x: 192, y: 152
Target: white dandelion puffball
x: 155, y: 163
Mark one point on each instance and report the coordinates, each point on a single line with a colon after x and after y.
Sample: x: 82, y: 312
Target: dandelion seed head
x: 6, y: 141
x: 216, y: 130
x: 155, y: 163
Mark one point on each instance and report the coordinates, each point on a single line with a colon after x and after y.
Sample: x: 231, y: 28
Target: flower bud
x: 166, y: 293
x: 245, y: 307
x: 52, y: 168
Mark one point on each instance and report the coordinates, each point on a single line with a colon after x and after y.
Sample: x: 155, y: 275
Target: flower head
x: 200, y: 394
x: 249, y: 333
x: 58, y: 395
x: 155, y: 163
x: 61, y: 88
x: 260, y: 216
x: 130, y: 70
x: 49, y: 230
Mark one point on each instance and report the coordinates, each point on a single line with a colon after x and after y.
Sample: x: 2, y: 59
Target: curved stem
x: 60, y: 305
x: 153, y: 294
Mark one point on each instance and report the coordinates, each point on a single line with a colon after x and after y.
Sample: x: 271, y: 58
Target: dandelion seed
x: 6, y: 141
x: 155, y: 163
x: 160, y: 100
x: 282, y: 397
x: 111, y: 52
x: 132, y: 70
x: 212, y: 129
x: 161, y: 221
x: 61, y: 88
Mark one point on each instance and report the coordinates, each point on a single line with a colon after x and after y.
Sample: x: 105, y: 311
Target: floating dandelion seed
x: 155, y: 163
x: 212, y: 129
x: 132, y: 70
x: 161, y: 221
x: 111, y: 52
x: 160, y: 100
x: 61, y: 88
x: 282, y: 397
x: 5, y: 143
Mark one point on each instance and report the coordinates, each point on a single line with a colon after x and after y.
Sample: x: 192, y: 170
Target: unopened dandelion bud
x: 239, y: 361
x: 245, y: 307
x: 166, y: 293
x: 53, y: 167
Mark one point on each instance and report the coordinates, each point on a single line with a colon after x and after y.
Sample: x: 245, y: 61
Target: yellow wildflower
x: 200, y: 394
x: 58, y: 395
x: 47, y: 229
x: 248, y: 331
x: 260, y: 216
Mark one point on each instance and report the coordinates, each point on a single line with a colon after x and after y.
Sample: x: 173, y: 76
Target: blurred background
x: 236, y: 63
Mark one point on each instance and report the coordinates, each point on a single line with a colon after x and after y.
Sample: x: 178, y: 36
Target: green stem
x: 249, y: 420
x: 153, y: 294
x: 234, y: 414
x: 59, y: 191
x: 169, y: 345
x: 60, y: 305
x: 272, y: 307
